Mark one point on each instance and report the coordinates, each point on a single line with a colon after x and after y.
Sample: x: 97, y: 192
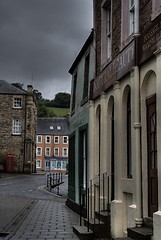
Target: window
x: 74, y: 91
x: 65, y: 139
x: 16, y: 127
x: 38, y: 151
x: 106, y: 31
x: 56, y: 151
x: 58, y: 128
x: 86, y: 76
x: 47, y: 152
x: 131, y: 17
x: 56, y: 140
x: 38, y: 163
x: 39, y: 139
x: 129, y: 160
x: 65, y: 152
x: 17, y: 103
x: 127, y: 20
x: 48, y: 139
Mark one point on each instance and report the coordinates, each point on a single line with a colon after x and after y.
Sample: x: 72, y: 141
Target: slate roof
x: 7, y: 88
x: 58, y: 126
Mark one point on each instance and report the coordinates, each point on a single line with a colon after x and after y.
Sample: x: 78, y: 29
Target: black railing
x: 54, y: 180
x: 99, y: 196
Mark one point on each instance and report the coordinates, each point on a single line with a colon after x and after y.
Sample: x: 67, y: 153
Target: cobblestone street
x: 28, y: 211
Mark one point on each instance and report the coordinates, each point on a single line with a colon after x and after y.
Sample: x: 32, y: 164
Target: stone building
x: 52, y: 144
x: 18, y: 117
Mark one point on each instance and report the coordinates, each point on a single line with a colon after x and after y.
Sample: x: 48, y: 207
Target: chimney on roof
x: 29, y: 88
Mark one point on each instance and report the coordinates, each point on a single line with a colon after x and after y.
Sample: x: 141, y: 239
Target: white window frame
x: 47, y: 138
x: 40, y: 163
x: 106, y: 33
x: 17, y: 102
x: 16, y: 126
x: 56, y: 137
x: 39, y: 138
x: 65, y: 137
x: 56, y: 149
x: 47, y: 151
x: 65, y: 155
x: 39, y: 153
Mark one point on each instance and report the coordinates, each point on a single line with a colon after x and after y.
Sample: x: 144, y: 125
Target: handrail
x: 99, y: 195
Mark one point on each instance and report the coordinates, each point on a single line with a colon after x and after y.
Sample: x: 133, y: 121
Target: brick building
x: 17, y: 128
x: 52, y: 144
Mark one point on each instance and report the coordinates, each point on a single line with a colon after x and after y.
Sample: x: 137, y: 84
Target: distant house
x: 52, y: 144
x: 18, y: 117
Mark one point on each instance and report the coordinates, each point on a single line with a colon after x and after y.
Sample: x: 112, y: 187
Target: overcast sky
x: 40, y: 39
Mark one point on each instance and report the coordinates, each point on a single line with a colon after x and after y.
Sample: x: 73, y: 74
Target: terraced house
x: 18, y: 117
x: 124, y: 173
x: 52, y: 144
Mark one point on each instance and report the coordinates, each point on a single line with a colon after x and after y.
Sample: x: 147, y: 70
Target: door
x: 47, y: 165
x: 152, y: 156
x: 9, y: 163
x: 83, y: 165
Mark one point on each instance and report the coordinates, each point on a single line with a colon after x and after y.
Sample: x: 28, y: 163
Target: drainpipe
x: 136, y: 19
x: 137, y: 127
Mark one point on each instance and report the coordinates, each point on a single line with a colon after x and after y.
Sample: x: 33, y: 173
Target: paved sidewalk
x: 47, y: 220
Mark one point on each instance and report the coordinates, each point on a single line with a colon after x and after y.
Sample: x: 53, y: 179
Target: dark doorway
x: 152, y: 155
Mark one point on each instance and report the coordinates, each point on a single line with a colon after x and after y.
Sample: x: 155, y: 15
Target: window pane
x: 17, y: 102
x: 16, y: 128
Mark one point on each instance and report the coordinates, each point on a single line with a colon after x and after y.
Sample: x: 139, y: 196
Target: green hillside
x: 57, y: 112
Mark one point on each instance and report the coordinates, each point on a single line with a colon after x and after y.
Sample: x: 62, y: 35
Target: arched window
x: 129, y: 159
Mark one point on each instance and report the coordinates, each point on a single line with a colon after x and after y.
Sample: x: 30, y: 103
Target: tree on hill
x: 62, y: 100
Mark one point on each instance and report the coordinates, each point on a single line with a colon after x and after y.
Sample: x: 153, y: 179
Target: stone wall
x: 15, y: 144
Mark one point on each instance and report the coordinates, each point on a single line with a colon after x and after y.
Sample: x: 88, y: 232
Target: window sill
x: 126, y: 42
x: 85, y: 100
x: 155, y: 14
x: 105, y: 63
x: 16, y: 134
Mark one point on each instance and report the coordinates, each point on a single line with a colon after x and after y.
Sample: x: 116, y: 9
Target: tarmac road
x: 28, y: 211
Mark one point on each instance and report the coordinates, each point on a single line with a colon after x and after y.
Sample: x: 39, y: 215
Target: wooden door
x: 152, y: 156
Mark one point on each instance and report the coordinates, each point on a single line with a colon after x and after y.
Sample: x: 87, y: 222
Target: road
x: 29, y: 211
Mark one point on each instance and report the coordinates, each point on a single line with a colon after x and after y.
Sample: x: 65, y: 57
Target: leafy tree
x: 18, y: 85
x: 62, y: 100
x: 37, y: 94
x: 41, y: 110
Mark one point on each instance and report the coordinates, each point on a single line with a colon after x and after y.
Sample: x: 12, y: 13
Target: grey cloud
x: 42, y: 37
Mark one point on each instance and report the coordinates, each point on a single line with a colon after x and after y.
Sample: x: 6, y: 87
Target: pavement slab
x: 46, y: 220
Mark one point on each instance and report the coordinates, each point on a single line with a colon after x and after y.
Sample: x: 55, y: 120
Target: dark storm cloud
x: 40, y: 39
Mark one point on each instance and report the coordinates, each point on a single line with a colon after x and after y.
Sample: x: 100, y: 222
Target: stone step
x: 142, y: 233
x: 124, y: 238
x: 99, y: 228
x: 148, y: 222
x: 83, y: 233
x: 104, y: 216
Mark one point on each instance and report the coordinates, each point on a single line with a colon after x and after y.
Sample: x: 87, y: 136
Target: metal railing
x: 99, y: 195
x: 54, y: 180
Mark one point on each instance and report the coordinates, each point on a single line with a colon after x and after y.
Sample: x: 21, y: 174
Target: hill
x: 57, y: 112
